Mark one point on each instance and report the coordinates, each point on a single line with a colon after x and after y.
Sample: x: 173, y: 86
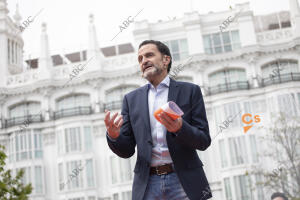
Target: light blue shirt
x: 157, y: 97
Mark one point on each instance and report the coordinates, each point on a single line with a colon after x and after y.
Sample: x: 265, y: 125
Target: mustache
x: 146, y: 65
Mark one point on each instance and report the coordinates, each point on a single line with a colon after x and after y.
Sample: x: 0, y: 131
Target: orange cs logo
x: 247, y: 121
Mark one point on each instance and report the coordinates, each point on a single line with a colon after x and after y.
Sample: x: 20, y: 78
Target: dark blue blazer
x: 193, y: 135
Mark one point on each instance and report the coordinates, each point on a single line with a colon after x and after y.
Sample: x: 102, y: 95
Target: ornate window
x: 227, y: 76
x: 120, y: 170
x: 34, y: 175
x: 274, y: 68
x: 25, y: 145
x: 178, y: 49
x: 24, y: 113
x: 242, y: 187
x: 221, y: 42
x: 24, y: 109
x: 73, y: 101
x: 227, y: 80
x: 78, y: 104
x: 79, y: 174
x: 227, y: 186
x: 76, y: 139
x: 238, y: 151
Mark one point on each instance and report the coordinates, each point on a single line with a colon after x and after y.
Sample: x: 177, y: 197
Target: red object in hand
x: 171, y: 109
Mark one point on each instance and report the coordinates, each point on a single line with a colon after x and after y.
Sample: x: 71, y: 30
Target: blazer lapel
x: 145, y: 109
x: 173, y: 94
x: 173, y: 90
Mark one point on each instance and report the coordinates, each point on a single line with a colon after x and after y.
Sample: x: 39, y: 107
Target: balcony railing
x: 280, y: 78
x: 69, y: 112
x: 113, y: 105
x: 227, y: 87
x: 26, y: 120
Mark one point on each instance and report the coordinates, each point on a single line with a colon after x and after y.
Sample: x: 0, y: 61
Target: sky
x: 67, y: 20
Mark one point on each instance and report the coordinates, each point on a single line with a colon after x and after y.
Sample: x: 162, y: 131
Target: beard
x: 152, y: 72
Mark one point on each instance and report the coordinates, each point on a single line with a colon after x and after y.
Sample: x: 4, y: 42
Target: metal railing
x: 27, y: 119
x: 280, y: 78
x: 69, y: 112
x: 227, y: 87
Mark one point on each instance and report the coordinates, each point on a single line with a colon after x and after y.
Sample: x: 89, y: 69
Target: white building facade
x: 59, y: 100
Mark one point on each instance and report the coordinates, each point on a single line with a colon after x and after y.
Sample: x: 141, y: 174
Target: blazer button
x: 148, y: 164
x: 150, y: 142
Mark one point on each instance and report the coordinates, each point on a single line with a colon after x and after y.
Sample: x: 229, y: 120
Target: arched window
x: 227, y: 80
x: 24, y: 113
x: 279, y: 67
x: 76, y: 104
x: 73, y: 101
x: 227, y: 76
x: 24, y: 109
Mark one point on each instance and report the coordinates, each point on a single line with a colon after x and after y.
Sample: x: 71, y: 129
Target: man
x: 278, y: 196
x: 168, y: 166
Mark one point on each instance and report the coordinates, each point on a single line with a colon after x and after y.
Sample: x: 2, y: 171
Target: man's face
x: 152, y: 62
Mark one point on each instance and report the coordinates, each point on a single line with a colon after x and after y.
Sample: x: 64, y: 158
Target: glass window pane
x: 60, y: 176
x: 87, y: 138
x: 38, y: 180
x: 67, y: 140
x: 227, y: 189
x: 174, y: 46
x: 241, y: 184
x: 235, y: 37
x: 125, y: 170
x: 216, y: 39
x: 226, y: 38
x: 178, y: 48
x: 222, y: 149
x: 218, y: 49
x: 89, y: 173
x: 207, y: 44
x: 75, y: 177
x: 227, y: 48
x: 183, y: 45
x: 176, y: 56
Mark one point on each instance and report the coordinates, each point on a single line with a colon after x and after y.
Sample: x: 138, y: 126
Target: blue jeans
x: 164, y: 187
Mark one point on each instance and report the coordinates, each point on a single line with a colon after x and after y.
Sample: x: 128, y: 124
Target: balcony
x: 280, y: 78
x: 113, y: 105
x: 69, y: 112
x: 274, y: 36
x: 227, y: 87
x: 26, y: 120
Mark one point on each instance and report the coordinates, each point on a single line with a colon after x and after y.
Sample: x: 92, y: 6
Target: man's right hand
x: 112, y: 127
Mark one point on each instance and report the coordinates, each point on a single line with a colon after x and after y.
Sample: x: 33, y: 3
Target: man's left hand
x: 171, y: 125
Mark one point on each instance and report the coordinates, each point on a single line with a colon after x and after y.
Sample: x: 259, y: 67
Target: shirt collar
x: 165, y: 82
